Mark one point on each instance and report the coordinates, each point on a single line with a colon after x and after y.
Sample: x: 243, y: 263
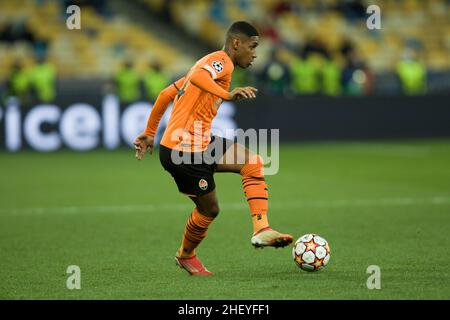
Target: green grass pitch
x: 121, y: 221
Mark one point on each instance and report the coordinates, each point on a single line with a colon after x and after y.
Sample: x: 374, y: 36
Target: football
x: 311, y: 252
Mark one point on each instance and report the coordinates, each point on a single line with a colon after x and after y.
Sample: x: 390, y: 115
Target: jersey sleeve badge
x: 218, y: 66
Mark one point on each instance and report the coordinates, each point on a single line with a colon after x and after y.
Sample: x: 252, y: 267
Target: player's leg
x: 195, y: 231
x: 198, y: 222
x: 239, y: 159
x: 196, y: 181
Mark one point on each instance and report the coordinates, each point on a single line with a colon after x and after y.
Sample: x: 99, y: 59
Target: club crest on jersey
x: 203, y: 184
x: 218, y: 66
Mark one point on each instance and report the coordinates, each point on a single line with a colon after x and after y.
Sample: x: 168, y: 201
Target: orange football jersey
x: 194, y: 109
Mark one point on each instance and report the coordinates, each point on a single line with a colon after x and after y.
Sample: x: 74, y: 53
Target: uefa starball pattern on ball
x: 311, y: 252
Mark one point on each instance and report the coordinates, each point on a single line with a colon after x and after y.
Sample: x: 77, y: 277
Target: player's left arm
x: 205, y: 78
x: 145, y: 141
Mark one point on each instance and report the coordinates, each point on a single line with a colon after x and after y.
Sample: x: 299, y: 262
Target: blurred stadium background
x: 325, y: 35
x: 309, y: 49
x: 322, y: 76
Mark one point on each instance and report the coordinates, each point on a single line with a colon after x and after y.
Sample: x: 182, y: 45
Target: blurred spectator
x: 357, y: 79
x: 305, y: 74
x: 155, y: 80
x: 315, y: 71
x: 331, y: 77
x: 127, y: 83
x: 18, y: 83
x: 412, y: 74
x: 276, y: 75
x: 43, y: 80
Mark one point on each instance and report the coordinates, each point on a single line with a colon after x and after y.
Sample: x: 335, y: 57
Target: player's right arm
x: 145, y: 141
x: 162, y: 102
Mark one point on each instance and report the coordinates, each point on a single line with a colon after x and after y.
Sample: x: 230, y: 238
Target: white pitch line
x: 405, y: 201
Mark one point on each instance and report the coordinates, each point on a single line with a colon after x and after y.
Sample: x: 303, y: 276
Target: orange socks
x: 255, y: 190
x: 259, y: 222
x: 194, y: 232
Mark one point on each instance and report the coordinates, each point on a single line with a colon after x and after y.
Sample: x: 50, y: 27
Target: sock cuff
x: 200, y: 219
x: 254, y: 166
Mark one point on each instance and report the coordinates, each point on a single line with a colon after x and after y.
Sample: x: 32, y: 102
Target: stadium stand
x: 97, y: 50
x: 32, y: 28
x: 405, y: 23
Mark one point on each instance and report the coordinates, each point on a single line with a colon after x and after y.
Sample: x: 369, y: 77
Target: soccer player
x: 196, y: 98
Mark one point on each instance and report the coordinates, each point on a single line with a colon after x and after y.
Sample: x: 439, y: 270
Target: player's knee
x: 214, y: 210
x: 211, y: 210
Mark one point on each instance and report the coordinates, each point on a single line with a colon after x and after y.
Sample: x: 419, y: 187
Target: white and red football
x: 311, y: 252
